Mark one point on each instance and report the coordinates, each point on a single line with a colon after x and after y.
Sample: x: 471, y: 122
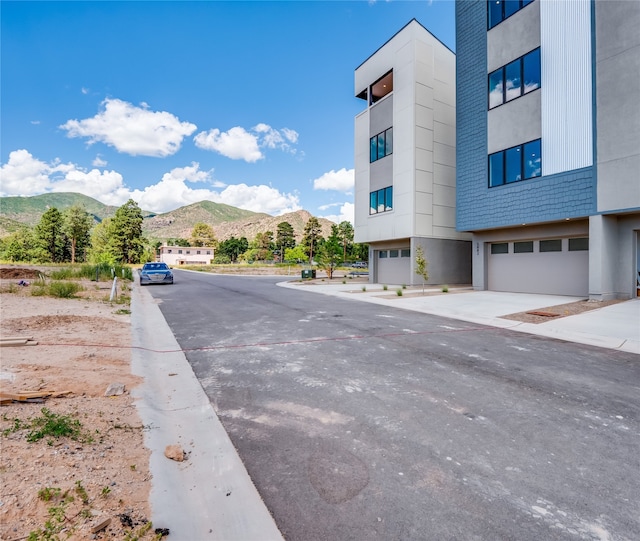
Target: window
x: 515, y: 79
x: 500, y: 248
x: 381, y: 145
x: 198, y: 252
x: 393, y: 253
x: 168, y: 251
x: 405, y: 253
x: 179, y: 251
x: 525, y: 247
x: 579, y: 245
x: 381, y: 200
x: 554, y: 245
x: 499, y: 10
x: 383, y: 254
x: 516, y: 163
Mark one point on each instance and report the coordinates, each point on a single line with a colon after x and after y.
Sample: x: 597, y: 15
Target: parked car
x: 360, y: 265
x: 155, y: 273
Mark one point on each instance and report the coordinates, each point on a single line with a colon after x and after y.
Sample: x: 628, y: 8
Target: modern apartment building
x: 405, y: 152
x: 548, y: 144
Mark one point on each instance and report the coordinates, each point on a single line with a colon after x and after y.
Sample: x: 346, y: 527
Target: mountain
x: 227, y: 221
x: 249, y: 228
x: 179, y: 222
x: 29, y: 210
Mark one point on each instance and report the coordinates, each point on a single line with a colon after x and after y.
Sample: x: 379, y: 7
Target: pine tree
x: 125, y: 233
x: 76, y: 225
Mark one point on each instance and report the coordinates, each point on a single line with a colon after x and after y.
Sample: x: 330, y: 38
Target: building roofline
x: 398, y: 32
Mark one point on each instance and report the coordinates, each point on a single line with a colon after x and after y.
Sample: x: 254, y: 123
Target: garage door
x: 394, y: 266
x: 548, y: 266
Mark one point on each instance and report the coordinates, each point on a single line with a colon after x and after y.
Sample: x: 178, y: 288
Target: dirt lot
x: 83, y: 346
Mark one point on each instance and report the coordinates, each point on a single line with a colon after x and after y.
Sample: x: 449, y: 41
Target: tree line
x: 74, y: 236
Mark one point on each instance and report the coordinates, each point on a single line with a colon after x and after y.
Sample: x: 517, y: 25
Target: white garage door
x: 549, y: 266
x: 394, y: 266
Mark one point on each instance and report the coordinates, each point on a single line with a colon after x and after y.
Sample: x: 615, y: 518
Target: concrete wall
x: 424, y: 123
x: 449, y: 261
x: 617, y: 97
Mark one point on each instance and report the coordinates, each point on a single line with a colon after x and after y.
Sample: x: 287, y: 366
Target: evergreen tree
x: 77, y: 225
x: 50, y: 236
x: 312, y: 235
x: 345, y: 235
x: 125, y: 233
x: 285, y: 238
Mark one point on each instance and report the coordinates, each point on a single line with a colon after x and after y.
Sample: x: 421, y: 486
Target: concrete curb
x: 210, y: 495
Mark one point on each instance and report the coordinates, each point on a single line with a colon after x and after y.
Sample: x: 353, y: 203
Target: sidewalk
x: 615, y: 327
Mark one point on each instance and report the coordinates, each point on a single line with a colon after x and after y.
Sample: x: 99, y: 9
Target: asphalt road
x: 362, y: 422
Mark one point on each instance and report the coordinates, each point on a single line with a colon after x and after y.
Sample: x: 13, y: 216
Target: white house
x: 186, y: 255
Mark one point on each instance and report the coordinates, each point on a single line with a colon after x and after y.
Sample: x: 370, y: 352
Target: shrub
x: 64, y: 290
x: 63, y: 274
x: 445, y: 289
x: 364, y: 288
x: 399, y: 292
x: 385, y: 287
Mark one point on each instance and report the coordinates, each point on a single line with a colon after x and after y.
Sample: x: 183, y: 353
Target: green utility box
x: 308, y: 273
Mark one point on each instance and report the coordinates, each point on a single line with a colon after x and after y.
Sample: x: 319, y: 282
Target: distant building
x: 548, y: 145
x: 405, y: 152
x: 186, y: 255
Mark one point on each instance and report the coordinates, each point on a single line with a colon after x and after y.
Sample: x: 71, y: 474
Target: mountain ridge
x: 226, y: 220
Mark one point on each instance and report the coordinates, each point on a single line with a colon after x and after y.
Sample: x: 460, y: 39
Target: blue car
x: 155, y: 273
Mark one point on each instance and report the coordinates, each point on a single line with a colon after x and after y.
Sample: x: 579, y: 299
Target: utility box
x: 308, y: 273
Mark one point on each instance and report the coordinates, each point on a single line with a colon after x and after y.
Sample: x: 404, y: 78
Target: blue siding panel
x: 554, y: 197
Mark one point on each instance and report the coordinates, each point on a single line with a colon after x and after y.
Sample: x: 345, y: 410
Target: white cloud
x: 240, y: 144
x: 132, y: 130
x: 259, y: 198
x: 99, y: 162
x: 237, y: 144
x: 25, y: 175
x: 341, y: 181
x: 347, y: 214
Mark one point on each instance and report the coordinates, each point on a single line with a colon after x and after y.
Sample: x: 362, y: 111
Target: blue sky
x: 169, y: 103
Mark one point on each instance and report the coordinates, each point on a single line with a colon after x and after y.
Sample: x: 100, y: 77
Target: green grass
x: 50, y: 425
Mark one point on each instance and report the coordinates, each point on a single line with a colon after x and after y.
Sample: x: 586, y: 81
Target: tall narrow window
x: 531, y: 71
x: 532, y: 159
x: 514, y: 164
x: 495, y: 12
x: 496, y: 88
x: 388, y: 142
x: 381, y: 145
x: 496, y: 169
x: 513, y: 80
x: 388, y: 198
x: 373, y: 202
